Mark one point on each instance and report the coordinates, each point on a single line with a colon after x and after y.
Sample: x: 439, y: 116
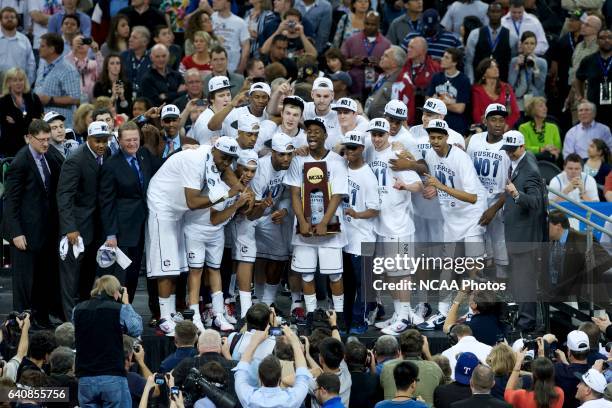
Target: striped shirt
x: 437, y: 44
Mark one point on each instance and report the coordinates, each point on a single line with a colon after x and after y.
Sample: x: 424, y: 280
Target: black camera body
x: 197, y: 387
x: 529, y: 62
x: 87, y: 41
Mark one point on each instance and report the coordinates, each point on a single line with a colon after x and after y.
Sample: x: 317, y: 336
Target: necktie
x: 510, y: 173
x: 136, y: 170
x: 45, y: 171
x: 99, y: 160
x: 170, y: 144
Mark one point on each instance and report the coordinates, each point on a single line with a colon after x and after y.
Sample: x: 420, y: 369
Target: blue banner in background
x: 604, y: 208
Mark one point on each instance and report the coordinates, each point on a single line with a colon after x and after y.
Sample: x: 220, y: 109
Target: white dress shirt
x: 465, y: 344
x: 529, y: 22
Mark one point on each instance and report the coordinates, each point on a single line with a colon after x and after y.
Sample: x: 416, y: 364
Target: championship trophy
x: 316, y: 192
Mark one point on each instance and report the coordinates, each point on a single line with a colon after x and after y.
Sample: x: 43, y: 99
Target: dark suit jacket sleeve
x: 66, y: 191
x: 149, y: 89
x: 530, y: 193
x: 15, y: 183
x: 107, y: 199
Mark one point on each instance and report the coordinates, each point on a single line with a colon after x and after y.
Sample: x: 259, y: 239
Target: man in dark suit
x: 525, y: 224
x: 481, y: 383
x: 30, y: 222
x: 77, y: 200
x: 568, y: 268
x: 123, y: 201
x: 170, y: 141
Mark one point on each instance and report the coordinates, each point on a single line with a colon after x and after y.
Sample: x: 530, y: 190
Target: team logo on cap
x: 255, y: 127
x: 429, y: 104
x: 511, y: 139
x: 400, y: 111
x: 104, y: 128
x: 354, y: 138
x: 232, y: 149
x: 322, y: 84
x: 314, y: 175
x: 379, y: 123
x: 289, y: 147
x: 226, y: 82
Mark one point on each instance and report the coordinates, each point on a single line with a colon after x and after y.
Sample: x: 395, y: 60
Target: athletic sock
x: 404, y: 310
x: 164, y: 308
x: 172, y: 304
x: 217, y: 303
x: 245, y: 303
x: 269, y: 293
x: 310, y: 302
x: 338, y: 301
x: 196, y: 312
x: 259, y: 291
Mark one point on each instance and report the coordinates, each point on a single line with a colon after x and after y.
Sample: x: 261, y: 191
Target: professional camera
x: 529, y: 62
x: 197, y: 387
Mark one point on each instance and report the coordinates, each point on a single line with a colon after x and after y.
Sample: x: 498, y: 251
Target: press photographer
x: 208, y: 387
x: 99, y: 325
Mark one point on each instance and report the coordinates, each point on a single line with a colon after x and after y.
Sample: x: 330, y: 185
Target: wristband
x: 335, y: 328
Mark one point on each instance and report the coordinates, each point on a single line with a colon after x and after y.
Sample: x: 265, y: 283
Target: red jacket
x: 480, y: 101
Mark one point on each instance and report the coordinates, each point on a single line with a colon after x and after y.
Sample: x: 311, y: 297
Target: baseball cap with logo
x: 282, y: 143
x: 437, y: 125
x: 248, y: 158
x: 379, y: 124
x: 345, y: 103
x: 512, y: 140
x: 315, y: 121
x: 248, y: 123
x: 98, y: 129
x: 106, y: 256
x: 594, y: 380
x: 353, y: 138
x: 431, y: 19
x: 435, y: 105
x: 396, y: 109
x: 466, y: 363
x: 170, y: 112
x: 342, y: 77
x: 496, y: 109
x: 227, y: 145
x: 322, y: 83
x: 577, y: 341
x: 217, y: 83
x: 260, y: 86
x: 52, y: 115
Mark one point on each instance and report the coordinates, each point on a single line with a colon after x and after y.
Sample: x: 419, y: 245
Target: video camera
x: 197, y: 387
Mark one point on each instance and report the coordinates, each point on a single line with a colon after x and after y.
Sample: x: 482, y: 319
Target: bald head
x: 591, y: 26
x: 483, y: 379
x: 209, y: 341
x: 417, y: 49
x: 159, y: 56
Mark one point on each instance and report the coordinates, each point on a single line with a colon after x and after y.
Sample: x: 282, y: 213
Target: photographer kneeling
x: 99, y: 325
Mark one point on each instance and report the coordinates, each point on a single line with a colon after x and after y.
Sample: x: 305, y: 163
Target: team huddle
x: 242, y: 190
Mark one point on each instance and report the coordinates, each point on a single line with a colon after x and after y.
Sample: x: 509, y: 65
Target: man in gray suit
x: 77, y: 201
x: 525, y: 225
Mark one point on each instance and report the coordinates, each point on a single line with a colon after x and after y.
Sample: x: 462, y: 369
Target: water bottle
x: 317, y: 209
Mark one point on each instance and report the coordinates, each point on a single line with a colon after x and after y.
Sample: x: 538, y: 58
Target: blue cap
x: 466, y: 363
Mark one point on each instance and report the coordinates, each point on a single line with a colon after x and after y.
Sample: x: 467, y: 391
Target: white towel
x: 76, y: 249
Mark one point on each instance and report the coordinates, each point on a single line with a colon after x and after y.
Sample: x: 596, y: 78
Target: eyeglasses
x: 43, y: 141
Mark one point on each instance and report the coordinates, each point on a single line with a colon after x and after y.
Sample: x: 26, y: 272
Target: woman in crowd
x: 71, y: 27
x: 597, y: 165
x: 255, y: 17
x: 199, y: 21
x: 18, y: 107
x: 118, y: 35
x: 113, y: 83
x: 351, y: 22
x: 89, y: 69
x: 336, y: 61
x: 489, y: 89
x: 501, y: 359
x: 543, y: 393
x: 469, y: 23
x: 200, y: 59
x: 528, y: 72
x: 82, y: 119
x: 541, y: 136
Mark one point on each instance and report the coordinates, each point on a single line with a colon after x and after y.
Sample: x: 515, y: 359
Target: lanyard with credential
x: 605, y: 67
x: 517, y: 28
x: 493, y: 44
x: 369, y: 46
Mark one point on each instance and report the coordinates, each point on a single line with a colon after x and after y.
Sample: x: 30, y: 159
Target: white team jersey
x: 395, y: 218
x: 230, y: 125
x: 560, y: 181
x: 193, y: 169
x: 404, y: 137
x: 456, y: 170
x: 334, y: 133
x: 197, y: 223
x: 267, y: 129
x: 491, y: 164
x: 202, y: 133
x: 268, y: 181
x: 337, y: 176
x: 363, y: 195
x: 422, y: 139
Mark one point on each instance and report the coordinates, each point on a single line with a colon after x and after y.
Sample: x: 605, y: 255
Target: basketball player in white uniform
x: 312, y: 246
x: 204, y: 242
x: 291, y: 115
x: 348, y: 119
x: 394, y: 225
x: 396, y: 113
x: 259, y: 236
x: 361, y: 207
x: 452, y: 177
x: 492, y: 164
x: 188, y: 180
x: 219, y: 96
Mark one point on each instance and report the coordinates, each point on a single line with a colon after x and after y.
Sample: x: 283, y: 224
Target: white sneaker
x: 177, y: 317
x: 230, y: 312
x: 397, y: 328
x: 222, y: 323
x: 197, y: 321
x: 386, y: 323
x: 416, y: 318
x: 423, y: 310
x: 167, y: 326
